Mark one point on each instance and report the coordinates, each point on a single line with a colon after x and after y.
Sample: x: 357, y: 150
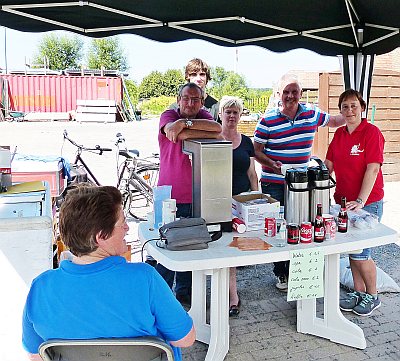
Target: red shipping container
x: 58, y: 93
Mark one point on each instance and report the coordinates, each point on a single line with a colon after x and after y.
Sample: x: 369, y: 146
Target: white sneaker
x: 282, y: 284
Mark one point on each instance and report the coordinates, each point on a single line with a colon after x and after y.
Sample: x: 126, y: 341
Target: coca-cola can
x: 238, y: 225
x: 330, y: 226
x: 306, y: 232
x: 293, y: 233
x: 270, y: 227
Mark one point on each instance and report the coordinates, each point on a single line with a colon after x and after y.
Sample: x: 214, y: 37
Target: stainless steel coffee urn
x: 296, y: 196
x: 320, y: 184
x: 212, y: 181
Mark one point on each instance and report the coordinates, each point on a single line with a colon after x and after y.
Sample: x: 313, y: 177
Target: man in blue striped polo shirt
x: 283, y: 138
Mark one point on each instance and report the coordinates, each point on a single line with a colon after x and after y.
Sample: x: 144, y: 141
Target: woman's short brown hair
x: 86, y: 212
x: 195, y: 65
x: 351, y: 93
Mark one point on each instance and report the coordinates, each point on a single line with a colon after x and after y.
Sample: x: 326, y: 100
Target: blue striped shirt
x: 286, y: 140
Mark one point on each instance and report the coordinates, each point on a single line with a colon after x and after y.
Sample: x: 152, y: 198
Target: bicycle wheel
x: 140, y: 188
x: 138, y: 214
x: 149, y: 174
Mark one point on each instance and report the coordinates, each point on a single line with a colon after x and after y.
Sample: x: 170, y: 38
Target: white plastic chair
x: 111, y: 349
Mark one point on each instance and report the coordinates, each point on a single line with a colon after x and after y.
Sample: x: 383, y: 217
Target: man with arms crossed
x: 187, y: 122
x: 284, y: 136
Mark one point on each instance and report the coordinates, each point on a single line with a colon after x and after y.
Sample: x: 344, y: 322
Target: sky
x: 260, y: 67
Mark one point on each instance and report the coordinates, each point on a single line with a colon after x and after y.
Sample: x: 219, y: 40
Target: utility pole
x: 5, y: 48
x: 235, y: 64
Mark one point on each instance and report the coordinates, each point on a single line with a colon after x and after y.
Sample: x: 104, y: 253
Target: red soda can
x: 306, y: 232
x: 330, y: 226
x: 238, y: 225
x: 270, y: 227
x: 293, y: 233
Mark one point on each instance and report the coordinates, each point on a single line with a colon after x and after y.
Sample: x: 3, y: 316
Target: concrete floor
x: 266, y: 327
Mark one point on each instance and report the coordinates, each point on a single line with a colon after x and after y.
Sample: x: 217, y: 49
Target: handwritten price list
x: 306, y: 274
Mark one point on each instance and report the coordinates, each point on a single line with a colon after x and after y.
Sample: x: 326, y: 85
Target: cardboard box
x: 252, y: 208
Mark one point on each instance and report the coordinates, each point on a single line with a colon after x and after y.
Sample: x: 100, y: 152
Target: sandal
x: 234, y: 310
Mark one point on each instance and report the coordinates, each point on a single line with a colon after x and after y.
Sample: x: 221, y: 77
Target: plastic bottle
x: 160, y: 193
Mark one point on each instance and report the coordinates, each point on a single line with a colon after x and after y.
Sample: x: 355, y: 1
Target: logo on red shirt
x: 355, y: 150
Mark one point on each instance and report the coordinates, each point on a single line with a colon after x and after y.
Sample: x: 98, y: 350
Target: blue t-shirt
x: 109, y: 298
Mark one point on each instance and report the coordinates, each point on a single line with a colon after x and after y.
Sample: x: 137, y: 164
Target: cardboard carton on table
x: 253, y: 208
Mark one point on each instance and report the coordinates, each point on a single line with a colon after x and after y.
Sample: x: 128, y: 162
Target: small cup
x: 150, y: 218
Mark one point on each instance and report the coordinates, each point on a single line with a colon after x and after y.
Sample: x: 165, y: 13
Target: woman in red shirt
x: 356, y: 156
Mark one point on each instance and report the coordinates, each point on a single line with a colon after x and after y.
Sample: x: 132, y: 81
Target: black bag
x: 185, y: 234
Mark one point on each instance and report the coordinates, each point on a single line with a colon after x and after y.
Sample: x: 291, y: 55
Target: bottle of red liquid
x: 343, y: 218
x: 319, y: 228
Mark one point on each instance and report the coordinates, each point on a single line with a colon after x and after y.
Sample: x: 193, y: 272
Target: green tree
x: 161, y: 84
x: 60, y: 51
x: 107, y: 53
x: 226, y: 82
x: 133, y: 90
x: 235, y: 84
x: 218, y: 75
x: 172, y: 79
x: 151, y: 85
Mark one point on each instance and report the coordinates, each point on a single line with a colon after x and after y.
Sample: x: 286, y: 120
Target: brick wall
x: 388, y: 61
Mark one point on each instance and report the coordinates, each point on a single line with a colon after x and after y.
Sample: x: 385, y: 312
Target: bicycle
x: 136, y: 177
x: 77, y: 175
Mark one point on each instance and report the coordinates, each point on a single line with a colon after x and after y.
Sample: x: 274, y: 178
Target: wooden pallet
x: 99, y: 110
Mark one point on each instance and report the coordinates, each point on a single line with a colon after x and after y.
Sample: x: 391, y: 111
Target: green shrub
x: 155, y: 106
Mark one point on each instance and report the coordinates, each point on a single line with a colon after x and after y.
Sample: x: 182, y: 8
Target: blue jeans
x: 276, y: 190
x: 375, y: 208
x: 183, y: 285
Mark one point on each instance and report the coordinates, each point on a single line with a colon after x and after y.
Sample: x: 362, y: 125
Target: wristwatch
x: 188, y: 123
x: 360, y: 201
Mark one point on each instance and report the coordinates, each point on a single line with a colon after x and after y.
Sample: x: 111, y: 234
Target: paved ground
x: 266, y: 328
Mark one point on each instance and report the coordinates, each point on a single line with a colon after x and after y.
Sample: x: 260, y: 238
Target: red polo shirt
x: 350, y: 154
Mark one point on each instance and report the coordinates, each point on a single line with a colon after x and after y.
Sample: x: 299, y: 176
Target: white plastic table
x: 216, y: 260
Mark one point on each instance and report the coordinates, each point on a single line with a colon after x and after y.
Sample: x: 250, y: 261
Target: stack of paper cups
x: 168, y: 210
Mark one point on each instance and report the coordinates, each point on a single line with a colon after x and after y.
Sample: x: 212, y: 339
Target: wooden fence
x: 256, y: 105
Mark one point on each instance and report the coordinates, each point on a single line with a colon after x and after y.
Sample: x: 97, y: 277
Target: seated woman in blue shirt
x: 98, y: 294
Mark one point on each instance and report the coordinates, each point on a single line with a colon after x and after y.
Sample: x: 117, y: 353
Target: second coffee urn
x: 320, y: 183
x: 296, y: 196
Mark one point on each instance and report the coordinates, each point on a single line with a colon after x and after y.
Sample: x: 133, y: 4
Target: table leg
x: 216, y: 333
x: 333, y: 326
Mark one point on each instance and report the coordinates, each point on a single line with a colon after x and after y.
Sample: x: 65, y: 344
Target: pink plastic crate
x: 54, y: 177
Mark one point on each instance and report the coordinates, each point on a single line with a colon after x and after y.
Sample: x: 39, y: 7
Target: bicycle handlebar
x: 103, y: 149
x: 97, y: 148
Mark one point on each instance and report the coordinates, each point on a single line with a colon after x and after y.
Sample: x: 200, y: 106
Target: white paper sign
x: 306, y: 274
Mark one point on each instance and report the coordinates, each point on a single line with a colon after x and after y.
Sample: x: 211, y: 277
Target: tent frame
x: 182, y: 25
